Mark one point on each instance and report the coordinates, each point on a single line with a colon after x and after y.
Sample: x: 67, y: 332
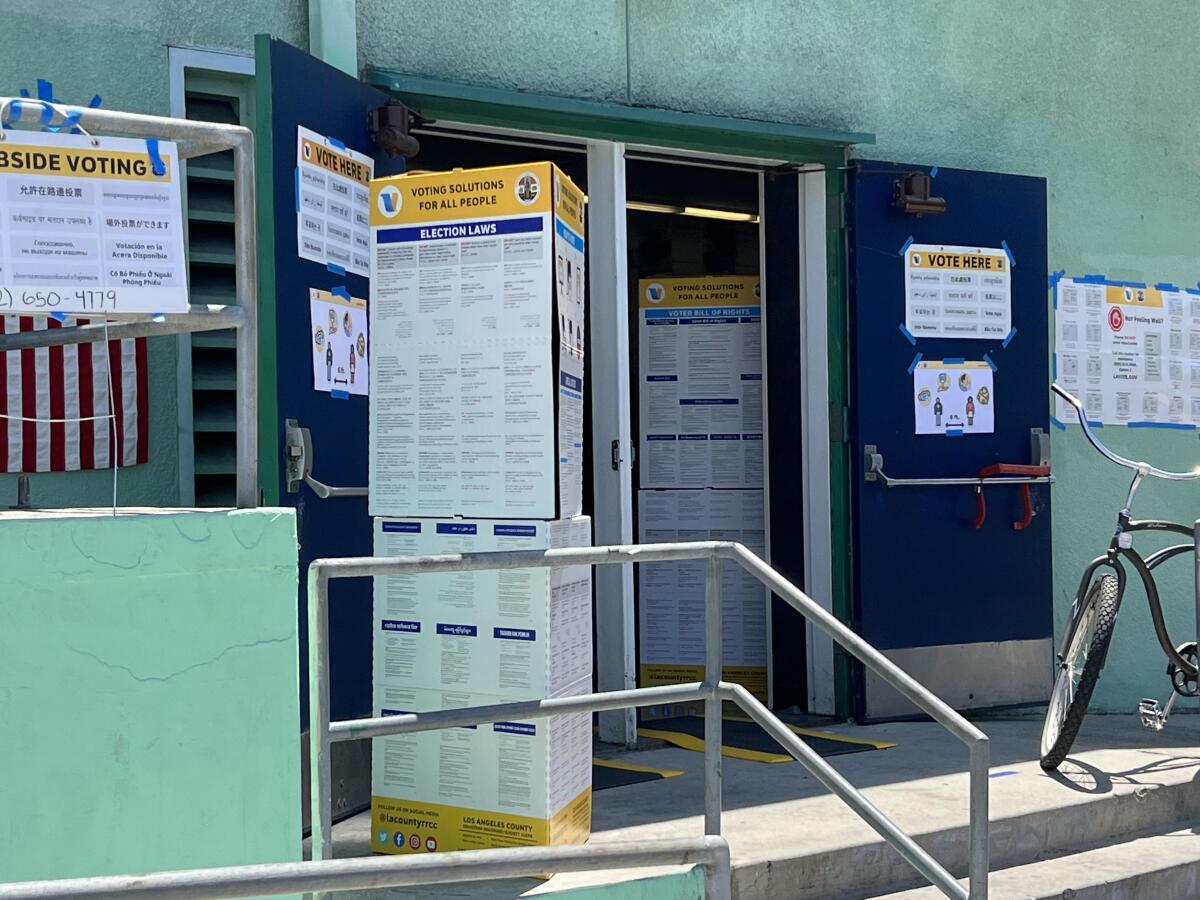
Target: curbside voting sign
x: 89, y: 227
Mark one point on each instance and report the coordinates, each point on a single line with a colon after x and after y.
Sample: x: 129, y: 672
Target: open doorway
x: 695, y: 227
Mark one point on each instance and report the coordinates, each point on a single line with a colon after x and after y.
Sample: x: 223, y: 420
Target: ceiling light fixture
x: 699, y: 212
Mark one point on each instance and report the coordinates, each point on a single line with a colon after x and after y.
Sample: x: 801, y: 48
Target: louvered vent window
x: 212, y: 269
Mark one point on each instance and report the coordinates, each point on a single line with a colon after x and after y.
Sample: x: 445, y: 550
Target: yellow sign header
x: 473, y: 193
x: 332, y: 161
x: 80, y: 162
x: 985, y: 261
x: 569, y: 201
x: 1148, y: 297
x: 712, y: 290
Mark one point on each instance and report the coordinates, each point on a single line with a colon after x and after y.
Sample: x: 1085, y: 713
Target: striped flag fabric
x: 72, y: 382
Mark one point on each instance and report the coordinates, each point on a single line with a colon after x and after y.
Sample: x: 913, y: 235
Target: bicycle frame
x: 1144, y: 566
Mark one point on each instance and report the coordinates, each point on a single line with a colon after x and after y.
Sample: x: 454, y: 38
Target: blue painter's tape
x: 1003, y: 773
x: 95, y: 101
x: 1176, y: 426
x: 336, y: 143
x: 62, y: 317
x: 1012, y: 333
x: 987, y: 359
x: 908, y: 334
x: 157, y: 317
x: 954, y: 360
x: 933, y: 172
x: 1056, y: 277
x: 156, y: 161
x: 341, y: 291
x: 45, y: 90
x: 954, y: 432
x: 1095, y: 424
x: 912, y: 365
x: 1092, y: 279
x: 69, y: 122
x: 1193, y: 291
x: 1057, y: 424
x: 335, y: 268
x: 47, y: 115
x: 1012, y: 262
x: 906, y: 245
x: 339, y: 395
x: 24, y: 92
x: 1166, y: 286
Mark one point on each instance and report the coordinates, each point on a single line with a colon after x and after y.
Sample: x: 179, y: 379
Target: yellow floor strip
x: 634, y: 767
x: 688, y: 742
x: 827, y: 735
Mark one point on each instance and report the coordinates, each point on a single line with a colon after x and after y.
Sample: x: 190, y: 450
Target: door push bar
x: 298, y: 455
x: 997, y: 474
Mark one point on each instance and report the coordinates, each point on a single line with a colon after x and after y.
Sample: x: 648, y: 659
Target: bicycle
x: 1094, y: 614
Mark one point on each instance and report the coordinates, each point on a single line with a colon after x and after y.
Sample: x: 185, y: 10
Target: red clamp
x: 1008, y: 469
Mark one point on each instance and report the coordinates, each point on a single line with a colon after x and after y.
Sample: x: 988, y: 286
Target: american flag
x: 71, y: 382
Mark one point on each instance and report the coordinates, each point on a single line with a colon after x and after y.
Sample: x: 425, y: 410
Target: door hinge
x: 834, y: 207
x: 839, y: 424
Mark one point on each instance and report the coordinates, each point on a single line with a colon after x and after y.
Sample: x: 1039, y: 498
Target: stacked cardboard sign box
x: 477, y: 313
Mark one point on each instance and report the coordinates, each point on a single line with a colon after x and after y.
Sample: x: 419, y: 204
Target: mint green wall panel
x: 148, y: 692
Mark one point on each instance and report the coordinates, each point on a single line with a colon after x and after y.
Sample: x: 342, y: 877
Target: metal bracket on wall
x: 873, y: 471
x: 298, y: 458
x: 1039, y: 446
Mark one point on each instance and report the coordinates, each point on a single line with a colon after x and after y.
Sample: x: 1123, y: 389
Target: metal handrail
x: 384, y: 872
x: 194, y: 138
x: 712, y: 690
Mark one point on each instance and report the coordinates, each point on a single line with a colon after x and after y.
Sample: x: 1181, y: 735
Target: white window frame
x: 179, y: 60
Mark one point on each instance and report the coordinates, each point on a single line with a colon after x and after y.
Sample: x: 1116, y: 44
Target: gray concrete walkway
x: 789, y: 836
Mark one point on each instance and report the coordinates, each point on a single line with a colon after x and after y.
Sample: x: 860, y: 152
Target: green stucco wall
x: 118, y: 49
x: 149, y: 693
x: 1095, y: 98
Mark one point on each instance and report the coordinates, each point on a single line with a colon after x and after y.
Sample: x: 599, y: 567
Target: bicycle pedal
x: 1151, y: 715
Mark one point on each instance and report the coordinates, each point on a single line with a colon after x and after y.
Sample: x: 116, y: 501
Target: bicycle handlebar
x: 1142, y: 467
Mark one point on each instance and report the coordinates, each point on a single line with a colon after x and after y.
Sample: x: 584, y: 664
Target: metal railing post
x: 978, y: 840
x: 712, y: 702
x: 718, y: 875
x: 320, y: 771
x: 246, y: 334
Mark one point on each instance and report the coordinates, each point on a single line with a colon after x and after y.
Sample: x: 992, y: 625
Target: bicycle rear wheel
x: 1079, y: 669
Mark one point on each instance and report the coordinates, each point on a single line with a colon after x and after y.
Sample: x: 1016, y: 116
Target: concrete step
x: 868, y: 869
x: 1163, y: 866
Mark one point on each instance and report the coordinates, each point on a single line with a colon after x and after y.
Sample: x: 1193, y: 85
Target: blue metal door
x: 296, y: 89
x: 964, y: 609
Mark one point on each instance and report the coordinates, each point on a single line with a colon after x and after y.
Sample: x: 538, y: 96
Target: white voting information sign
x: 339, y: 343
x: 333, y: 203
x: 957, y: 292
x: 954, y: 397
x: 90, y: 225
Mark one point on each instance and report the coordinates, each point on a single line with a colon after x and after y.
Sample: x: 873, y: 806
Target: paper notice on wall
x: 700, y: 382
x: 957, y: 292
x: 333, y: 223
x: 1129, y: 352
x: 90, y: 228
x: 954, y: 397
x: 671, y: 595
x: 340, y: 344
